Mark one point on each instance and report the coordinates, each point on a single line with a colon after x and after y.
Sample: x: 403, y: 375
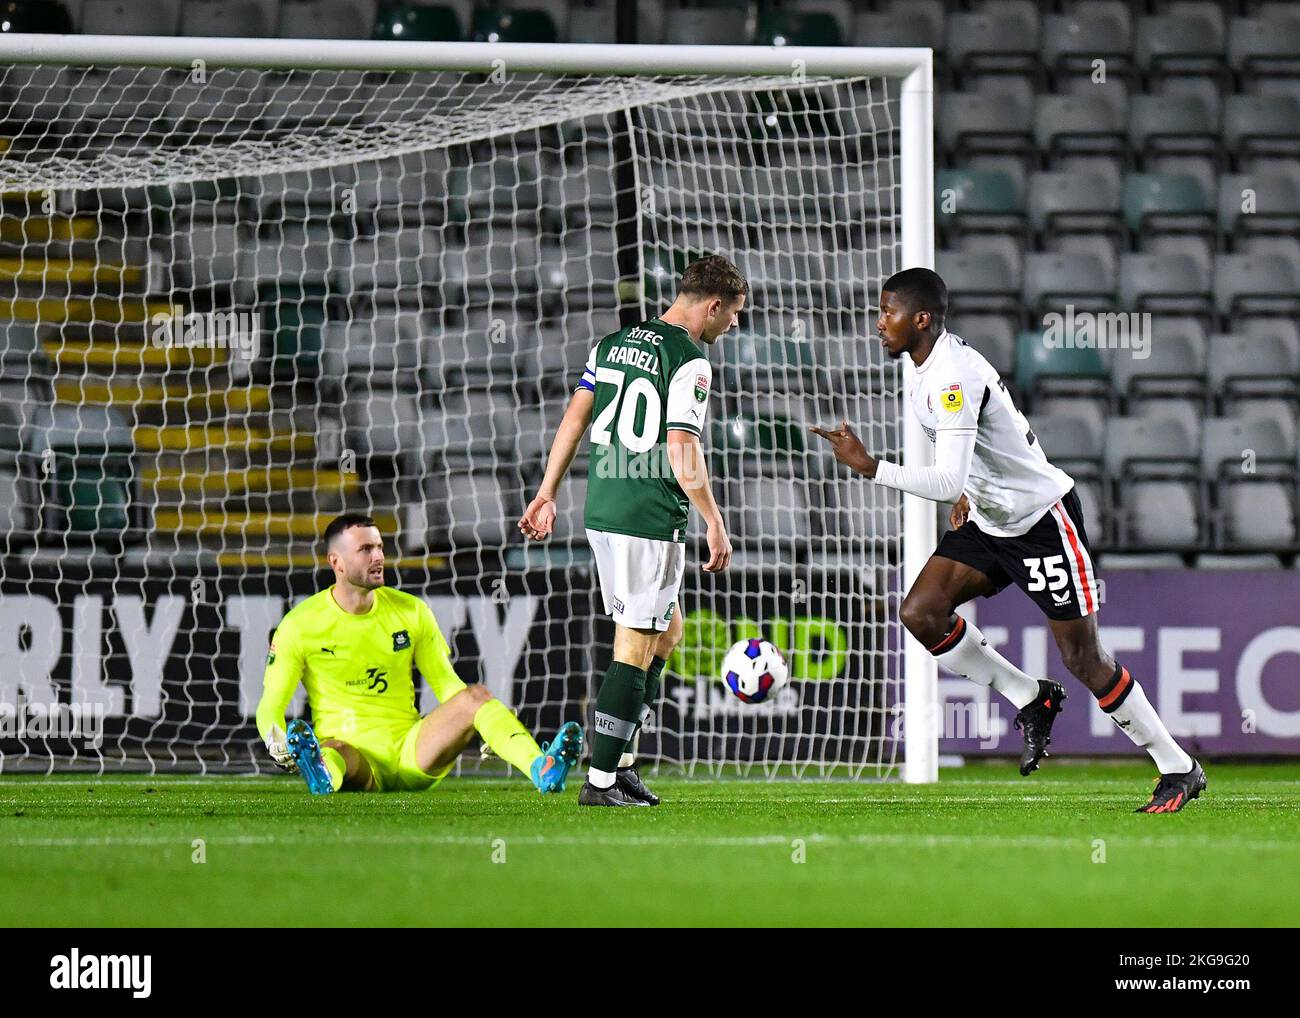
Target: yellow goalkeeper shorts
x: 390, y: 751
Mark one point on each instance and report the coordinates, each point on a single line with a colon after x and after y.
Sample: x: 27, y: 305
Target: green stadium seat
x: 95, y: 493
x: 413, y: 22
x: 1172, y: 202
x: 741, y: 436
x: 981, y: 201
x: 1037, y: 363
x: 295, y: 317
x: 41, y: 16
x: 498, y: 24
x: 796, y: 28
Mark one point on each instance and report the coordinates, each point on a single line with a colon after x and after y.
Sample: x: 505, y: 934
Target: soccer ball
x: 754, y: 670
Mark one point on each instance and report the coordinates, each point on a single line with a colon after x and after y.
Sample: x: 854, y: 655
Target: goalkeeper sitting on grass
x: 353, y: 646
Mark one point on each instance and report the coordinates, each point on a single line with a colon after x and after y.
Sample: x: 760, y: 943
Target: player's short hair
x: 714, y: 276
x: 921, y: 289
x: 342, y: 523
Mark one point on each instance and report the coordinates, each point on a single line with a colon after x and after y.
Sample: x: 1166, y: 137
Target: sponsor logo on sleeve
x: 270, y: 654
x: 701, y: 388
x: 950, y: 397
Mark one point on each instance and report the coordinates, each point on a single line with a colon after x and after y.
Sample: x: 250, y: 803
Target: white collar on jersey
x: 920, y: 368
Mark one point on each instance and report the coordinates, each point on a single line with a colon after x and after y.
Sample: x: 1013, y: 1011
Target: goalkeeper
x: 353, y: 646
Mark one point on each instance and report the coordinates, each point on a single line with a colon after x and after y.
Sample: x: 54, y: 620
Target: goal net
x: 243, y: 298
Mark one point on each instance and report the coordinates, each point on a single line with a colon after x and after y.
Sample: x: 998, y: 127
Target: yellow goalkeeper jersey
x: 357, y: 669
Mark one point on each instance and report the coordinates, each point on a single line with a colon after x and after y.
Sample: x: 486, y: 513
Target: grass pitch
x: 984, y: 847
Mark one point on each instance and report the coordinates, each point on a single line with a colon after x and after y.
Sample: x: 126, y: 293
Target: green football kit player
x: 644, y: 394
x: 354, y: 646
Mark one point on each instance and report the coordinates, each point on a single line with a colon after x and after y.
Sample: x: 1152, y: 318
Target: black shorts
x: 1051, y: 562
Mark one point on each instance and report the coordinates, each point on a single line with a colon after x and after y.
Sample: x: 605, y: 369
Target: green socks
x: 618, y: 711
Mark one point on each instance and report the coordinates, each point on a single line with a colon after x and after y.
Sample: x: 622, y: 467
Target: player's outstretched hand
x: 848, y: 448
x: 539, y: 518
x: 959, y: 512
x: 277, y: 744
x: 719, y: 549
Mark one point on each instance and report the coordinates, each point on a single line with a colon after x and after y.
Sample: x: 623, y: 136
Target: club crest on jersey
x: 701, y: 388
x: 401, y: 640
x: 669, y: 613
x: 950, y: 397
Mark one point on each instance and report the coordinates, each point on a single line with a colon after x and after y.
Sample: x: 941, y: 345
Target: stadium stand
x: 1116, y: 157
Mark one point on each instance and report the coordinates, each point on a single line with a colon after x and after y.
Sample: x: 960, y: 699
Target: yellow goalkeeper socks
x: 334, y: 764
x: 507, y: 736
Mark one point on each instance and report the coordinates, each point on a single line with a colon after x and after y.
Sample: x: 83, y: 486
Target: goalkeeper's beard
x: 363, y: 579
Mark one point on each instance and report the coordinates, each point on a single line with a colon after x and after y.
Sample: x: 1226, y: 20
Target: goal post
x: 253, y: 282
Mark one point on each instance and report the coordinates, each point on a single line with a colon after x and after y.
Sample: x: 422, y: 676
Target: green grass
x: 984, y: 847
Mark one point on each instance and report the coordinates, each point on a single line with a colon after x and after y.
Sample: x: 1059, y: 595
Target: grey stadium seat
x: 466, y: 511
x: 1160, y: 514
x: 1252, y: 365
x: 1074, y: 201
x: 1180, y: 45
x: 326, y: 19
x: 1225, y: 442
x: 1258, y: 514
x: 1257, y: 125
x: 1001, y: 39
x: 1067, y: 125
x: 382, y: 422
x: 715, y: 26
x: 122, y: 17
x: 1175, y: 368
x: 1145, y: 444
x: 1256, y: 284
x: 241, y: 19
x: 1169, y: 283
x: 1274, y: 198
x: 1265, y: 46
x: 1051, y: 280
x: 970, y: 124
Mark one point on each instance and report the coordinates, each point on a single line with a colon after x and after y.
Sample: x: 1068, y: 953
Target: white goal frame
x: 910, y: 67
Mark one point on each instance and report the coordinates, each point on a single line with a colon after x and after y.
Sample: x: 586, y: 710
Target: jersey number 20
x: 626, y: 406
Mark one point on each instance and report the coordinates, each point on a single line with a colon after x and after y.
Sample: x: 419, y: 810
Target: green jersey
x: 648, y: 379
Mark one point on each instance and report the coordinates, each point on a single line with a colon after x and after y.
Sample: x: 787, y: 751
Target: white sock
x: 970, y: 655
x: 600, y: 779
x: 629, y: 758
x: 1142, y: 724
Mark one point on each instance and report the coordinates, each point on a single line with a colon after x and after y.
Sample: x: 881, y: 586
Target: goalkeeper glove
x: 277, y: 744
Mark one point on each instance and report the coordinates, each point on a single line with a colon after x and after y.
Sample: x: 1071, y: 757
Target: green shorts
x: 390, y: 751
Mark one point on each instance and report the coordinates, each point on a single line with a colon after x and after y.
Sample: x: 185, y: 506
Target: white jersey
x: 1011, y: 483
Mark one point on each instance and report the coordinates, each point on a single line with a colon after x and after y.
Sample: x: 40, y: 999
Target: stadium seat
x: 1253, y: 561
x: 1160, y: 515
x: 1174, y: 370
x: 1173, y: 123
x: 1246, y: 284
x: 1053, y: 280
x: 773, y: 512
x: 1229, y: 444
x: 1165, y: 203
x: 46, y: 17
x: 1098, y: 31
x: 1244, y: 366
x: 1257, y: 126
x: 1257, y: 514
x: 1042, y: 370
x: 992, y: 335
x: 413, y: 22
x: 92, y: 474
x: 1181, y: 45
x: 977, y: 200
x: 121, y: 17
x: 711, y: 26
x: 326, y: 19
x: 512, y: 24
x: 1165, y: 283
x: 293, y: 316
x: 239, y: 19
x: 1140, y: 560
x: 874, y: 28
x: 999, y: 40
x: 1070, y: 442
x: 1265, y: 47
x: 803, y: 27
x: 980, y: 281
x: 1066, y: 126
x: 1064, y: 202
x: 467, y: 511
x: 383, y: 422
x: 1152, y: 446
x: 971, y: 124
x: 1273, y: 200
